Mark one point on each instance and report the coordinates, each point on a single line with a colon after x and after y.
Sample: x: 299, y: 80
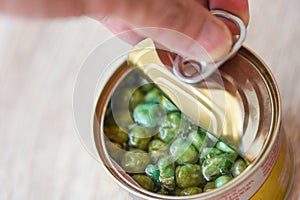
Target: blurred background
x: 41, y: 156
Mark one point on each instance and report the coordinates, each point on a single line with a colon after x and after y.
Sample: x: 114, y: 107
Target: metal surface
x: 218, y: 105
x: 254, y: 85
x: 203, y: 70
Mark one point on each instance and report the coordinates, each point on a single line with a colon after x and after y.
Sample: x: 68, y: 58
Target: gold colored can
x: 269, y: 176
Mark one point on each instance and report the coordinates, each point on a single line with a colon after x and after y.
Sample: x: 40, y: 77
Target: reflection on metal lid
x: 233, y: 104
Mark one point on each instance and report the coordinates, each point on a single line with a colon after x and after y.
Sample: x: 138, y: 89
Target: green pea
x: 144, y: 181
x: 209, y: 186
x: 172, y: 126
x: 153, y: 172
x: 216, y: 166
x: 163, y: 191
x: 135, y: 161
x: 123, y: 119
x: 139, y: 137
x: 189, y: 175
x: 183, y: 152
x: 190, y: 191
x: 209, y: 152
x: 238, y: 167
x: 167, y: 104
x: 109, y: 120
x: 136, y: 98
x: 156, y: 145
x: 222, y: 180
x: 224, y: 147
x: 146, y: 86
x: 175, y: 192
x: 153, y: 95
x: 164, y: 145
x: 115, y: 150
x: 121, y: 98
x: 157, y: 149
x: 116, y: 134
x: 156, y: 155
x: 198, y: 139
x: 167, y: 172
x: 148, y: 114
x: 232, y: 156
x: 126, y: 98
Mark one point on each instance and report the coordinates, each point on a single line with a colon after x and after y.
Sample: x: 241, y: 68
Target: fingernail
x: 215, y: 39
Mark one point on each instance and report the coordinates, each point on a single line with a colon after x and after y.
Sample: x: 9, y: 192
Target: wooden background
x: 41, y: 156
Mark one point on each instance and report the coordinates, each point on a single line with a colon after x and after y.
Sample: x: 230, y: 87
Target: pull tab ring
x: 192, y: 71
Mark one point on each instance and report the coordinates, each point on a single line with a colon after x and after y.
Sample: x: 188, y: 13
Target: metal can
x: 269, y: 176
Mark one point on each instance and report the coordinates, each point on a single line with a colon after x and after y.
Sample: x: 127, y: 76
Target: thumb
x: 189, y: 17
x: 196, y: 33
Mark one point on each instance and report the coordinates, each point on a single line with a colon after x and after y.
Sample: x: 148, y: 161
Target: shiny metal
x: 201, y: 69
x: 230, y: 111
x: 255, y: 88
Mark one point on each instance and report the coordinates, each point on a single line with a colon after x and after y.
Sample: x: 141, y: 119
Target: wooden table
x: 41, y: 156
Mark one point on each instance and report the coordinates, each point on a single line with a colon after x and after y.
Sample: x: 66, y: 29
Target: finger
x: 188, y: 17
x: 239, y: 8
x: 203, y: 3
x: 121, y: 29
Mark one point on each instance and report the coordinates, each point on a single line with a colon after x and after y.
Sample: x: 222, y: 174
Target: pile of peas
x: 159, y: 147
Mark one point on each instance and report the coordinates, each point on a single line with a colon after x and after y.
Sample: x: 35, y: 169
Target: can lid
x: 228, y: 105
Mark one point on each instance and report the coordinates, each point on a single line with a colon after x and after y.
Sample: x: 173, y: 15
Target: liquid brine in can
x: 247, y: 77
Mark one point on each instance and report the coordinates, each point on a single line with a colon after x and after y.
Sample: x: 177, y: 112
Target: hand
x: 190, y: 17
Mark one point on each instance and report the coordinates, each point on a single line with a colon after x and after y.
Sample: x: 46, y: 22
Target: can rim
x: 273, y: 91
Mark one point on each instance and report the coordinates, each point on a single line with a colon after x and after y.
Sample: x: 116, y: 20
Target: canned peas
x: 159, y: 147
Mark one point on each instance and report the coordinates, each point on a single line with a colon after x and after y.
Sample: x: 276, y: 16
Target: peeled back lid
x: 236, y: 104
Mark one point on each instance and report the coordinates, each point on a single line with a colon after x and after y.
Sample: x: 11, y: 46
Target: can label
x: 273, y: 178
x: 277, y: 171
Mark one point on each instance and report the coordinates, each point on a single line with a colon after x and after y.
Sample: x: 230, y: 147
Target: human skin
x: 189, y: 17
